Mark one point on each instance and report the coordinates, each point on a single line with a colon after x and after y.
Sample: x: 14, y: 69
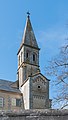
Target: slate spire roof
x: 29, y: 37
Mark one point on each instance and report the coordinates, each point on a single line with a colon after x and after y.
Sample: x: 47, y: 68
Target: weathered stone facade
x: 7, y: 100
x: 36, y: 93
x: 33, y: 85
x: 31, y: 90
x: 28, y: 54
x: 10, y: 96
x: 35, y: 115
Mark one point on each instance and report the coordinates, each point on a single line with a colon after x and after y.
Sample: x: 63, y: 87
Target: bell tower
x: 28, y: 54
x: 33, y: 85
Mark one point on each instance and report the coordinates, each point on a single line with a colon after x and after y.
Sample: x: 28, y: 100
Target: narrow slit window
x: 21, y: 56
x: 19, y: 59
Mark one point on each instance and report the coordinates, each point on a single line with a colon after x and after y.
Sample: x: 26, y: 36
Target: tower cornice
x: 24, y: 64
x: 27, y: 46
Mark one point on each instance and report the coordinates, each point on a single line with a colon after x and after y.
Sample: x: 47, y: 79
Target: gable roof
x: 34, y: 76
x: 40, y: 74
x: 6, y: 86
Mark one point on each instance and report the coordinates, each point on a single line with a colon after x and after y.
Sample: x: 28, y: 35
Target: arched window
x: 34, y: 57
x: 27, y: 55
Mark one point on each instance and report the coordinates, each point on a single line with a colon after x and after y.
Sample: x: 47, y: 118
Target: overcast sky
x: 49, y: 19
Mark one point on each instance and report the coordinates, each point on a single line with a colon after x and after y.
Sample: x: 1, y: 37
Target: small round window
x: 39, y: 86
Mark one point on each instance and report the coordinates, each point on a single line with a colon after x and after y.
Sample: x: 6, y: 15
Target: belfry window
x: 27, y: 55
x: 34, y: 57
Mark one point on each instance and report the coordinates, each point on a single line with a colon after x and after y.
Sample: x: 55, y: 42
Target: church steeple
x: 29, y: 36
x: 28, y: 54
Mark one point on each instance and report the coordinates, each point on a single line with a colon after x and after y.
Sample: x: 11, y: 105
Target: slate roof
x: 6, y: 86
x: 29, y: 37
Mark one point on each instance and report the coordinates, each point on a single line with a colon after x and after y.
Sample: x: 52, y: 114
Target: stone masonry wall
x: 7, y: 103
x: 35, y: 115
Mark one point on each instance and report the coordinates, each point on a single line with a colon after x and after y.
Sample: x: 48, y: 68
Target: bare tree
x: 58, y: 69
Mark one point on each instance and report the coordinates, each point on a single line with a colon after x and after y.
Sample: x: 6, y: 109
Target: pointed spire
x: 29, y: 37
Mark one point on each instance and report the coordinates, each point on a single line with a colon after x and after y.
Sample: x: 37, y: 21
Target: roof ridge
x: 6, y: 80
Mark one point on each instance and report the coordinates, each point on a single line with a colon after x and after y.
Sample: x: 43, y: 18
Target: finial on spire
x: 28, y: 14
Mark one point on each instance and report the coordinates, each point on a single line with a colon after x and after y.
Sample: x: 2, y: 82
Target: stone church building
x: 31, y: 90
